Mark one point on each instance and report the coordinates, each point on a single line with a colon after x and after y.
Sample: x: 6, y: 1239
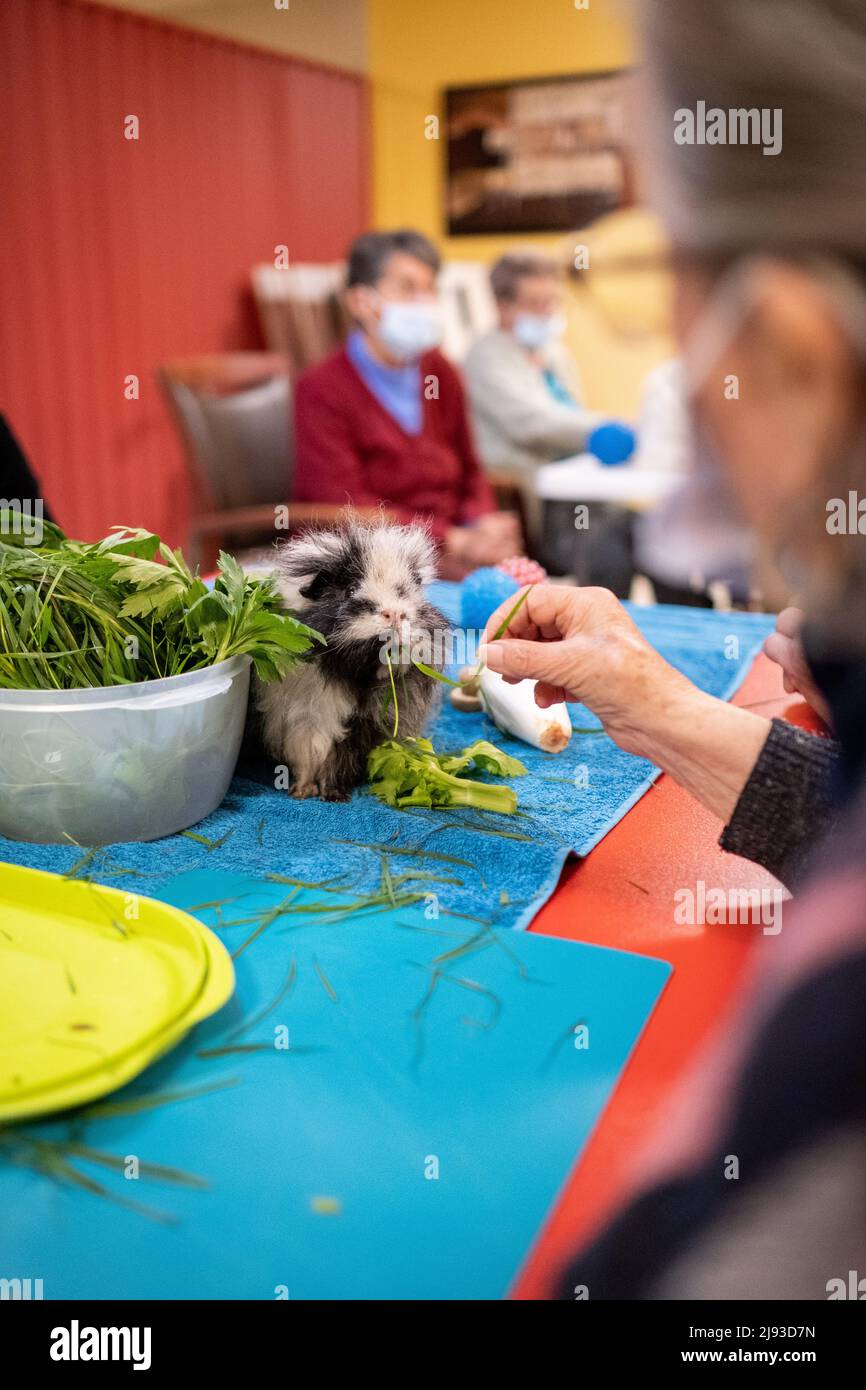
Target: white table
x: 583, y: 479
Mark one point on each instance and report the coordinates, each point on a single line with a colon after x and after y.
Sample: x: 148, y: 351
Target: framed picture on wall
x: 540, y: 155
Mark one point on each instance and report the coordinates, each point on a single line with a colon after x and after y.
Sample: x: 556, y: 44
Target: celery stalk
x: 410, y: 773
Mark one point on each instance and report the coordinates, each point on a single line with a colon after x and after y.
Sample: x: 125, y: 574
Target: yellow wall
x: 412, y: 49
x: 417, y: 47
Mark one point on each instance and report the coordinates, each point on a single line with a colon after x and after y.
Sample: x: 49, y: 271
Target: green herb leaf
x: 126, y: 609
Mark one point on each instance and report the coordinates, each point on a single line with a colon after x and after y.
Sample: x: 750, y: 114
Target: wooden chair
x: 510, y: 498
x: 468, y: 306
x: 302, y: 314
x: 301, y: 310
x: 233, y: 413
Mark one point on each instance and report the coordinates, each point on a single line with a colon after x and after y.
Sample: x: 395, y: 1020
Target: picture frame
x: 534, y: 155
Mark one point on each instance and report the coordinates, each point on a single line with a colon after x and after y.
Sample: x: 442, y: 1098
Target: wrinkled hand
x: 785, y: 648
x: 580, y: 644
x: 488, y: 540
x: 494, y: 537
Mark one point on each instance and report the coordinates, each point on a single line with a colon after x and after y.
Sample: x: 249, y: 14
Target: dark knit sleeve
x: 784, y: 807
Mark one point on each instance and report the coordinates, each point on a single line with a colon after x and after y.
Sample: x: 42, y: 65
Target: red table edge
x: 621, y: 896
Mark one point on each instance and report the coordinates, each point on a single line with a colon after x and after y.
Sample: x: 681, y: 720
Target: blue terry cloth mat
x: 407, y: 1144
x: 567, y: 802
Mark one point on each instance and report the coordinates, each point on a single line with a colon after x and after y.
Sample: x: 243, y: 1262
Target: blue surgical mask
x: 534, y: 331
x: 409, y: 328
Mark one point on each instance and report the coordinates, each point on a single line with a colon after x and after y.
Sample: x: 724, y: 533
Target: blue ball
x: 612, y: 442
x: 481, y: 593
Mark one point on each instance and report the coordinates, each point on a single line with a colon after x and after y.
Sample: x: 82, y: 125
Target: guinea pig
x: 362, y: 588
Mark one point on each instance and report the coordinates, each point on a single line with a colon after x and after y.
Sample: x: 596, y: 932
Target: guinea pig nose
x: 393, y: 617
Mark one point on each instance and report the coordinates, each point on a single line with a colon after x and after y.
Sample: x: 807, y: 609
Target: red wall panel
x: 117, y: 254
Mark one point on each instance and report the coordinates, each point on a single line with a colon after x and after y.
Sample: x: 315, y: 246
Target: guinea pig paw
x: 335, y: 794
x: 303, y: 790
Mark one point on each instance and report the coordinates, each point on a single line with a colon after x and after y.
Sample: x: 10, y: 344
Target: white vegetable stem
x: 513, y: 709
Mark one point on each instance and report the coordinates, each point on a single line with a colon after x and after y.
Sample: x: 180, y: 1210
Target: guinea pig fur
x: 361, y: 588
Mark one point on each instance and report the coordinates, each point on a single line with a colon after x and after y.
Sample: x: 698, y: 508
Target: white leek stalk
x: 513, y: 709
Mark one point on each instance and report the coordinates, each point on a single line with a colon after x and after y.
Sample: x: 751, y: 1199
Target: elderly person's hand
x: 580, y: 644
x: 493, y: 537
x: 784, y: 647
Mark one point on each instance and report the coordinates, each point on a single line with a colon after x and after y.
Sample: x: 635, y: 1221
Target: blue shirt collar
x: 398, y: 389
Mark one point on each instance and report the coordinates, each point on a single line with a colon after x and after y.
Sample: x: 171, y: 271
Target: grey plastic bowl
x: 130, y: 762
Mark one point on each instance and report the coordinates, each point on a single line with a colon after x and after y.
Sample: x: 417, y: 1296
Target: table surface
x: 621, y: 895
x: 584, y: 479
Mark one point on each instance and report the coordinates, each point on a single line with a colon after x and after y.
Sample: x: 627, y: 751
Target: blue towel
x: 567, y: 803
x: 394, y: 1149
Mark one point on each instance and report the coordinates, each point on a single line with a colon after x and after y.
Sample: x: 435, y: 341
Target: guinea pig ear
x: 308, y: 553
x: 420, y: 553
x: 304, y: 562
x: 316, y: 585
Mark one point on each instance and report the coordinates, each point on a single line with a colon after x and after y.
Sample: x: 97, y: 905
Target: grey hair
x: 370, y: 253
x: 806, y: 58
x: 514, y: 266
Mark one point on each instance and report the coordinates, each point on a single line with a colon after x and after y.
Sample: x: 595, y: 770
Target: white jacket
x: 518, y: 422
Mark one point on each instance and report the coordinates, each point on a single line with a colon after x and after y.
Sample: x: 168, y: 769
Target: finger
x: 547, y: 695
x: 778, y: 649
x: 521, y: 624
x: 526, y: 660
x: 547, y: 609
x: 790, y: 621
x: 528, y: 633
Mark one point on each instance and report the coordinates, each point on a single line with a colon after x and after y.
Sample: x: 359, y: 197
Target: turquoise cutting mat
x: 397, y: 1149
x: 567, y: 802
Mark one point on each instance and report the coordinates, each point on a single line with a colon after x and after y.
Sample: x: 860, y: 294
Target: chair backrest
x: 301, y: 310
x: 302, y: 313
x: 233, y: 413
x: 468, y: 307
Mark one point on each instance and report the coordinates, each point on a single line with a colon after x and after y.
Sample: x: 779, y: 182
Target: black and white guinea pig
x: 359, y: 587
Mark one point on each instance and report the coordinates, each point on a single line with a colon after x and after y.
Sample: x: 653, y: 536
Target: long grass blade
x: 140, y: 1104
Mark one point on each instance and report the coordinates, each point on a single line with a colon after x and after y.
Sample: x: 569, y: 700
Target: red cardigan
x: 348, y: 447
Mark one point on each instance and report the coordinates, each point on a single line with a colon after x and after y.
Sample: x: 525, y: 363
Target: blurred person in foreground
x: 770, y: 266
x: 383, y: 420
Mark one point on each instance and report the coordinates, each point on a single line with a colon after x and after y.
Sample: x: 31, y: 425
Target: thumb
x: 523, y: 660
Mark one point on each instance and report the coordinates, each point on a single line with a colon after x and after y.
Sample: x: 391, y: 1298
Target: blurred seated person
x: 695, y: 539
x: 692, y: 544
x: 383, y: 420
x: 523, y: 383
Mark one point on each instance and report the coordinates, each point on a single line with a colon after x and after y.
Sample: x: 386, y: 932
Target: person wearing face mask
x: 383, y: 420
x: 523, y: 383
x: 769, y: 261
